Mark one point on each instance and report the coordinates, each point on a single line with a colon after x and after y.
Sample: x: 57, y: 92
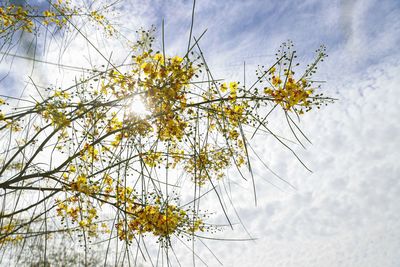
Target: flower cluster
x: 54, y: 113
x: 160, y: 220
x: 164, y: 85
x: 293, y: 94
x: 7, y: 236
x: 27, y: 18
x: 17, y: 17
x: 81, y: 184
x: 209, y: 163
x: 290, y: 94
x: 81, y: 212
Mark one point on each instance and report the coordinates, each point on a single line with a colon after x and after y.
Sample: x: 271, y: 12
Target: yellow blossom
x: 223, y: 87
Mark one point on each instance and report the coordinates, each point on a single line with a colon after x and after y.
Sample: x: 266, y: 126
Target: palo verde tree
x: 105, y: 159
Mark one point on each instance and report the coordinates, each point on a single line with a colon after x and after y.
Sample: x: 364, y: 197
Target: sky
x: 347, y: 211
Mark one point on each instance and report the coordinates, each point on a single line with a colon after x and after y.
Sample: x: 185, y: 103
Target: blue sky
x: 347, y: 212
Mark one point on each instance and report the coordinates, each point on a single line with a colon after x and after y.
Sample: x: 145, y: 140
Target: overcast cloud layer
x: 347, y: 212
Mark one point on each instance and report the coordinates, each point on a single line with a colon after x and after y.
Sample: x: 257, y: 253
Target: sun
x: 138, y: 107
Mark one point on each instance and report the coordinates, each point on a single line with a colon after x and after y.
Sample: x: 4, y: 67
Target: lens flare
x: 138, y: 107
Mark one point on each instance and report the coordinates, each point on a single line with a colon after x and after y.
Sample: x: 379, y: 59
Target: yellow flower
x: 272, y: 70
x: 223, y: 87
x: 147, y: 67
x: 233, y: 86
x: 83, y: 223
x: 48, y: 13
x: 268, y: 91
x: 276, y: 80
x: 159, y: 57
x: 72, y: 168
x: 177, y: 60
x: 61, y: 94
